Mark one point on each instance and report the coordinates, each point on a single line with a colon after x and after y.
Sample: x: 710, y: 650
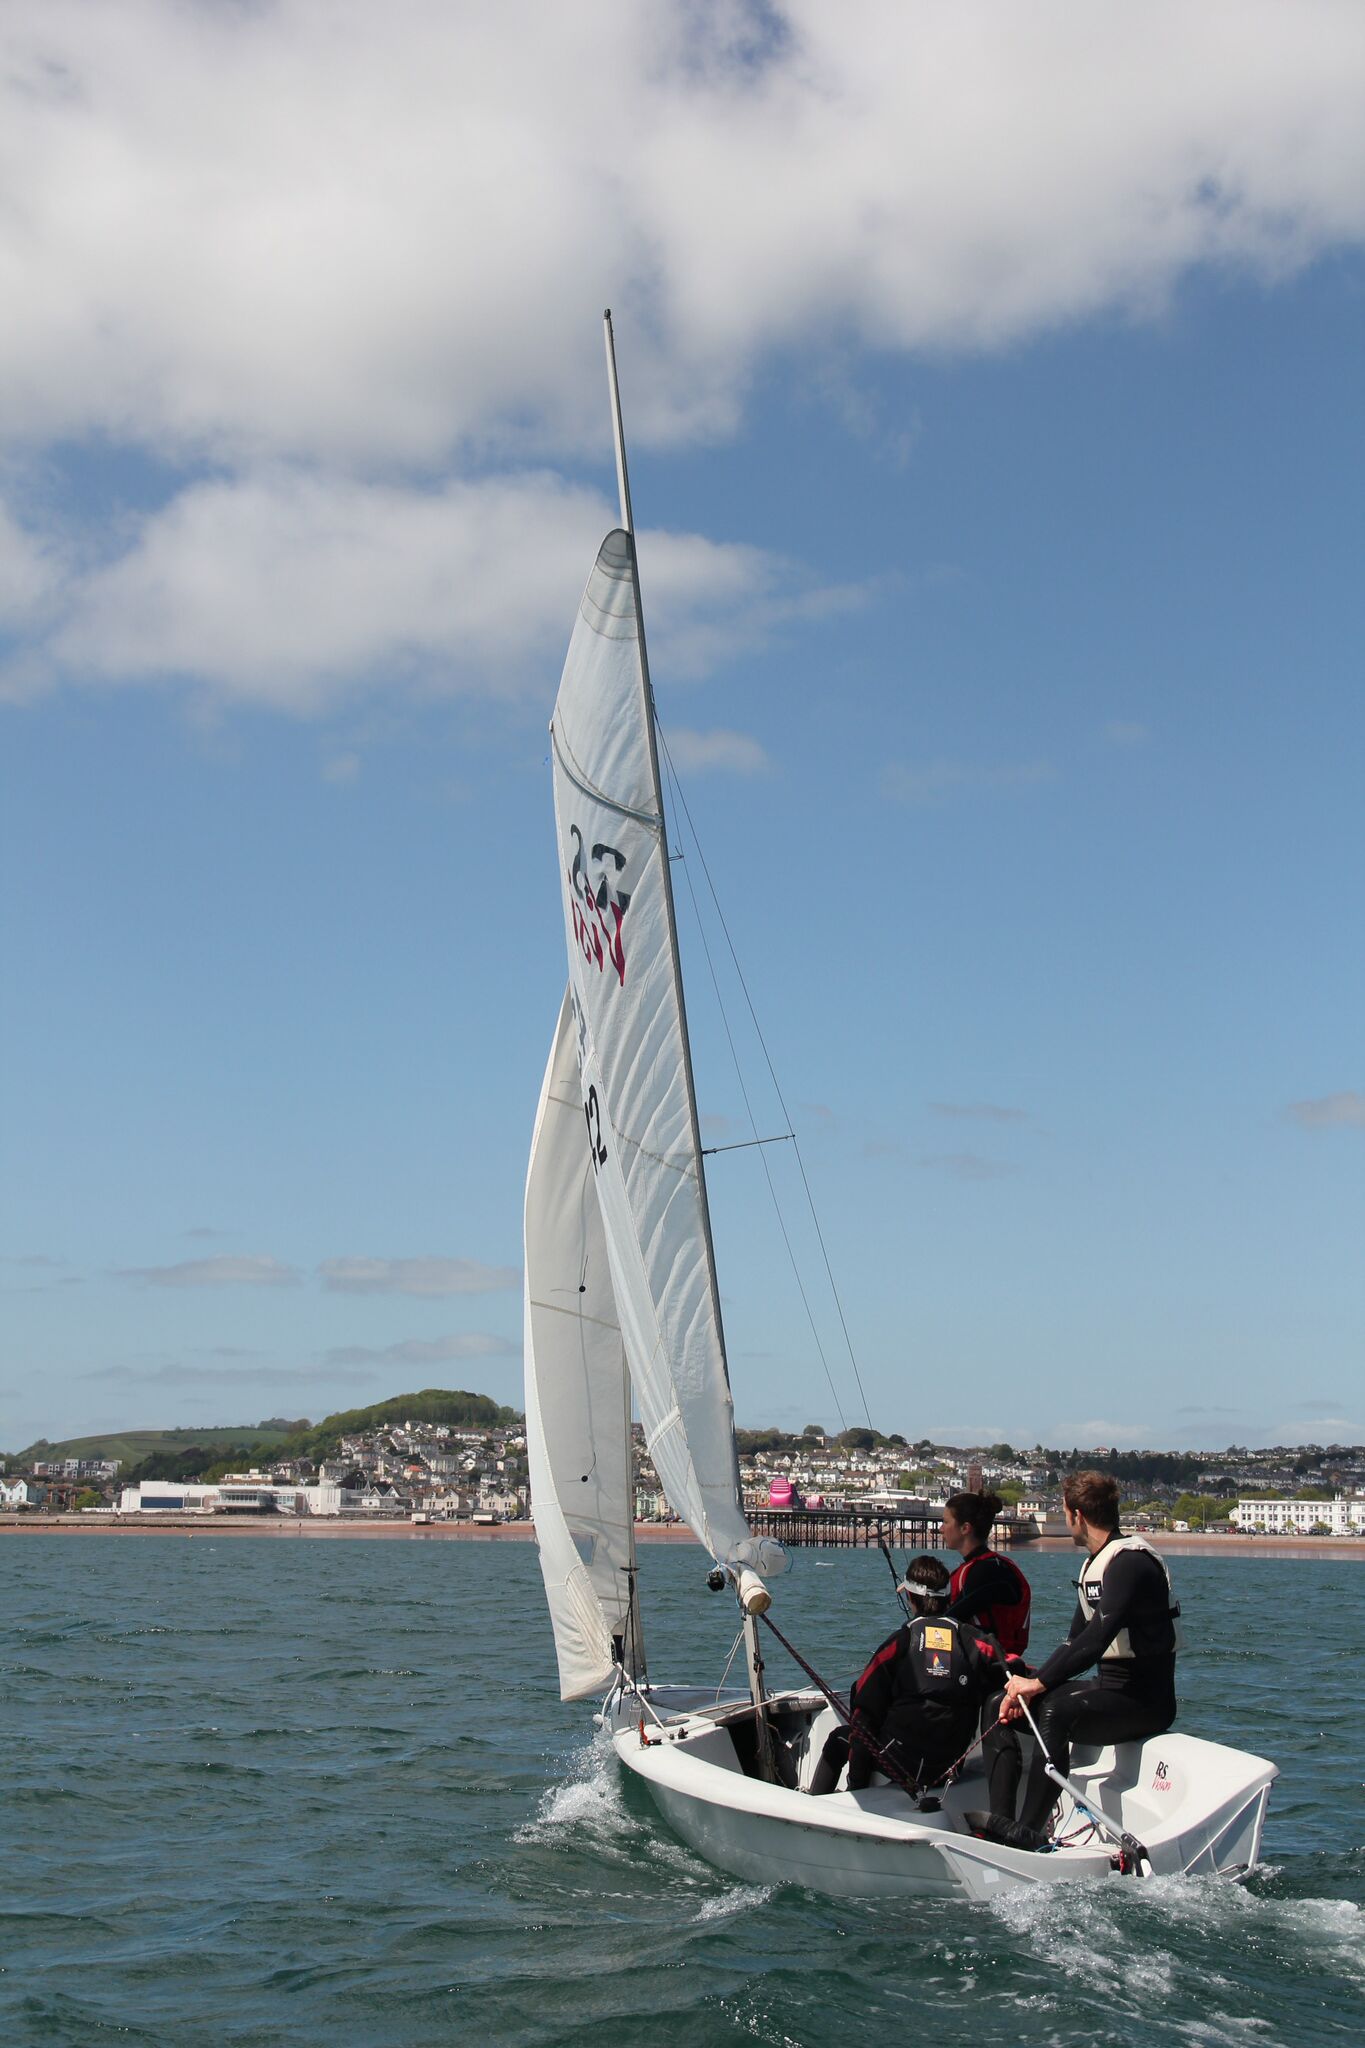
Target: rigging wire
x: 681, y: 801
x: 734, y: 1650
x: 748, y: 1106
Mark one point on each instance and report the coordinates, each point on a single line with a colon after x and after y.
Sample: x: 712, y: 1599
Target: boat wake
x: 589, y: 1810
x: 1152, y: 1947
x: 588, y: 1802
x: 736, y: 1898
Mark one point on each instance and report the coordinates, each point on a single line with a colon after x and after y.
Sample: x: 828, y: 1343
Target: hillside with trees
x: 131, y: 1446
x: 201, y: 1453
x: 457, y: 1410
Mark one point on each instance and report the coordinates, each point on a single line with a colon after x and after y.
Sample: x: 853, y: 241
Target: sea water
x: 270, y: 1790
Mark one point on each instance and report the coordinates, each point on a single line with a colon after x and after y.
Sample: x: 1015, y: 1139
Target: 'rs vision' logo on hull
x: 599, y: 903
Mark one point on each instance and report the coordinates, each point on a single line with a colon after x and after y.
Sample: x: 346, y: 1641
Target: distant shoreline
x: 297, y: 1525
x: 1330, y: 1548
x: 1195, y: 1545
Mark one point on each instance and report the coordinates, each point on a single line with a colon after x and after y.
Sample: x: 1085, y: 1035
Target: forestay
x: 577, y: 1392
x: 634, y: 1076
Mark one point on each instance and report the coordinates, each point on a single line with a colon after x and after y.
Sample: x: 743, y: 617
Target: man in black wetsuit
x: 920, y: 1697
x: 1124, y: 1620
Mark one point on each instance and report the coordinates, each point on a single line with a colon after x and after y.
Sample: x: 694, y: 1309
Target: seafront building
x: 1344, y: 1516
x: 254, y: 1495
x: 21, y: 1493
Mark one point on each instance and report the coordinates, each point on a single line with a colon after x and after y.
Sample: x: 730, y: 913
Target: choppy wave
x: 326, y: 1792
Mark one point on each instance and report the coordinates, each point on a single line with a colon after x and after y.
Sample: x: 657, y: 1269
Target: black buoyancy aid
x: 1009, y: 1625
x: 939, y: 1666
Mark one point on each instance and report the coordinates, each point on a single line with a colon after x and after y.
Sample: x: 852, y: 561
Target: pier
x: 865, y: 1528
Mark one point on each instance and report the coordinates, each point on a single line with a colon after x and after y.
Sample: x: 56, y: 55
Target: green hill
x: 458, y: 1410
x: 279, y: 1437
x: 130, y: 1446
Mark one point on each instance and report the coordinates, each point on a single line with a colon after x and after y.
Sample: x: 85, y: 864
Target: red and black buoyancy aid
x: 1009, y: 1625
x: 933, y: 1672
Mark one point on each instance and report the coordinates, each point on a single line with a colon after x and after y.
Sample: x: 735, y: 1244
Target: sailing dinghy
x: 622, y: 1304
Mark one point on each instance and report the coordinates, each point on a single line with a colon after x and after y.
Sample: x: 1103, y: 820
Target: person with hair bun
x: 1125, y: 1621
x: 921, y: 1694
x: 985, y: 1588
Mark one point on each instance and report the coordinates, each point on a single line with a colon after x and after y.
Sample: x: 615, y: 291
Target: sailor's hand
x: 1016, y: 1691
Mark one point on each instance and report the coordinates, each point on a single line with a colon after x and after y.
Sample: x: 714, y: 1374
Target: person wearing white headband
x: 920, y: 1696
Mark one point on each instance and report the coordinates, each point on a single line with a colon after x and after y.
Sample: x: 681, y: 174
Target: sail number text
x: 592, y: 1111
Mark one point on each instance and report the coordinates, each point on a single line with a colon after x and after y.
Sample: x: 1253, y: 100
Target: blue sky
x: 996, y: 420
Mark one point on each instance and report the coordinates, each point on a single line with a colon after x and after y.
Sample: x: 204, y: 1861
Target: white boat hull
x: 1197, y: 1807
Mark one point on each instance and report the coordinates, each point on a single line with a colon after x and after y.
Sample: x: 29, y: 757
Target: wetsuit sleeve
x: 988, y: 1584
x: 1128, y: 1578
x: 872, y: 1694
x: 989, y: 1664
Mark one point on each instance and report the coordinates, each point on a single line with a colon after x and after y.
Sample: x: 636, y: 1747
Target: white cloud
x: 730, y: 753
x: 430, y: 1278
x: 1091, y: 1435
x: 331, y: 265
x: 1345, y: 1111
x: 372, y: 234
x: 212, y: 1376
x: 29, y: 572
x: 289, y: 588
x: 248, y: 1271
x: 286, y: 587
x: 421, y: 1351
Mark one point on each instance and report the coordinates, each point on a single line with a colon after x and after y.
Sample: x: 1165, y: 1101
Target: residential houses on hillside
x: 435, y: 1472
x: 412, y: 1468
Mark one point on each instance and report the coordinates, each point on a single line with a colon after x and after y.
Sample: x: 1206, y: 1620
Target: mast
x: 618, y: 434
x: 633, y: 1648
x: 753, y: 1649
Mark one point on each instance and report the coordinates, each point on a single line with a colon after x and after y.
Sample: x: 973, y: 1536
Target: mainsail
x: 639, y: 1129
x: 618, y: 1237
x: 577, y: 1394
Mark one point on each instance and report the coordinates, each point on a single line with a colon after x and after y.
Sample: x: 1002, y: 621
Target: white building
x: 1344, y: 1516
x: 500, y: 1500
x: 253, y: 1496
x: 21, y: 1493
x: 79, y: 1468
x: 244, y: 1496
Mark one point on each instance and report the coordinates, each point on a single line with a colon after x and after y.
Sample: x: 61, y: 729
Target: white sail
x: 577, y: 1392
x: 639, y: 1119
